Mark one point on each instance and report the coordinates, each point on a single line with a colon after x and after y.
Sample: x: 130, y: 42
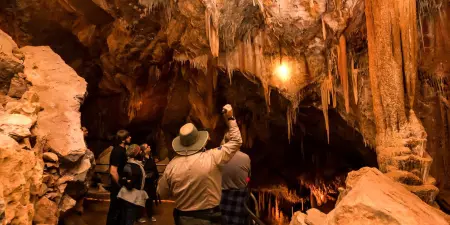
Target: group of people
x: 208, y: 185
x: 133, y: 182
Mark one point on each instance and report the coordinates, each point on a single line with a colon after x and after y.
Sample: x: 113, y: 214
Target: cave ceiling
x: 154, y: 51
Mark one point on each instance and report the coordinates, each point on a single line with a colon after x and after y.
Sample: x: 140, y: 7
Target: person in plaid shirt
x: 235, y: 176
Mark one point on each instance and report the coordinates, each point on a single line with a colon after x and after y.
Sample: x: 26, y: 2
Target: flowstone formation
x: 44, y: 159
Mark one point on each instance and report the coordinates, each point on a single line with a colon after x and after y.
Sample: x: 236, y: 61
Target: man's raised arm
x: 224, y: 153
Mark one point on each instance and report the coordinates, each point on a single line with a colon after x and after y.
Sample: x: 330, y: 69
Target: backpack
x: 130, y: 180
x: 132, y: 190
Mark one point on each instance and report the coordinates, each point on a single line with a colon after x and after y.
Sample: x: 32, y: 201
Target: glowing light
x: 283, y: 72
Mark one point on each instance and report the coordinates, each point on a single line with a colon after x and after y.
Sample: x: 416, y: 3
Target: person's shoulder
x: 242, y: 155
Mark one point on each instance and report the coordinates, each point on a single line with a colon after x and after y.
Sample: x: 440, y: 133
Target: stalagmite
x: 343, y: 71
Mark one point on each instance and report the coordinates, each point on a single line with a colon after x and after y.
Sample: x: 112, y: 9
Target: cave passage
x: 307, y: 172
x: 294, y: 174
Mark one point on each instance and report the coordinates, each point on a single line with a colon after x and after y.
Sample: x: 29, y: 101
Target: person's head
x: 145, y: 148
x: 123, y: 137
x: 190, y: 140
x: 85, y: 131
x: 133, y: 151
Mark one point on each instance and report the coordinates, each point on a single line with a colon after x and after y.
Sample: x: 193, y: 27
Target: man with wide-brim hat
x: 193, y: 178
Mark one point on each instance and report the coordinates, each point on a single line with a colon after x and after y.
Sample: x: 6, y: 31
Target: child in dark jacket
x: 132, y: 192
x: 151, y: 179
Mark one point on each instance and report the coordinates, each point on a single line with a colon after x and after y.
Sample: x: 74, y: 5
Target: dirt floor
x: 95, y: 213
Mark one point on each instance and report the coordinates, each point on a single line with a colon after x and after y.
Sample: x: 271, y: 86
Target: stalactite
x: 152, y: 4
x: 134, y: 105
x: 343, y: 71
x: 260, y: 4
x: 327, y: 89
x: 330, y: 77
x: 291, y: 116
x: 324, y: 30
x: 212, y: 29
x: 354, y: 81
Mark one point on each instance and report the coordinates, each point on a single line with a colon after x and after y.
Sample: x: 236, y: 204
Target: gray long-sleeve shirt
x: 195, y: 181
x: 236, y: 172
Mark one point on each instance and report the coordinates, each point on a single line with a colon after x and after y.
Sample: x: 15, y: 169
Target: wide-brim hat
x: 190, y: 140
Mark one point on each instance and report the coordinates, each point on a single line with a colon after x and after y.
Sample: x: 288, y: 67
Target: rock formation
x: 43, y: 151
x: 366, y: 77
x: 373, y: 198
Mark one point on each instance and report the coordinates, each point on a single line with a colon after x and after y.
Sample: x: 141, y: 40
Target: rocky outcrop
x: 371, y: 197
x: 21, y: 166
x: 42, y: 150
x: 312, y: 217
x: 61, y: 92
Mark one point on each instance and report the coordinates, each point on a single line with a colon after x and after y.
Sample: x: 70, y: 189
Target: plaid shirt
x: 232, y: 207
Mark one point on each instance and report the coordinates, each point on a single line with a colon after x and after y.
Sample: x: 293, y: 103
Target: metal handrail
x: 254, y: 217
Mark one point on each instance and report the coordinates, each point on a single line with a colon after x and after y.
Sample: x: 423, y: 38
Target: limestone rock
x: 312, y: 217
x: 80, y: 170
x: 61, y: 92
x: 2, y: 211
x: 21, y: 175
x: 9, y: 63
x: 426, y: 192
x: 66, y: 203
x: 298, y: 219
x: 404, y: 177
x: 315, y: 217
x: 17, y: 87
x: 16, y: 125
x: 50, y: 157
x: 51, y: 165
x: 43, y: 190
x: 64, y: 180
x: 373, y: 198
x: 46, y: 212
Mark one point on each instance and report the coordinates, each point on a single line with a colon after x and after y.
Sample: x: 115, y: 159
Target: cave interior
x: 150, y: 67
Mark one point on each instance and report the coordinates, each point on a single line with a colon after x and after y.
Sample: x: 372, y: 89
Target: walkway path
x: 95, y: 213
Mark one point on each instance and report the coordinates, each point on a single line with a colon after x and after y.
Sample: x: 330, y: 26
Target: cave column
x: 401, y: 138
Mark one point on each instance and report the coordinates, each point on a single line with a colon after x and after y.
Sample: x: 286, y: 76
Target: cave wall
x: 432, y: 105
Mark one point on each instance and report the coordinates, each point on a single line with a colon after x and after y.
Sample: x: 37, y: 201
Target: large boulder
x: 371, y: 197
x: 61, y: 92
x: 46, y: 212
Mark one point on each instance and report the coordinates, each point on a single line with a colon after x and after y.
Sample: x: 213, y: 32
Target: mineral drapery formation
x: 401, y: 138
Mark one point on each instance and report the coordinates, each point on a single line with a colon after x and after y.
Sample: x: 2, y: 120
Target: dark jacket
x: 151, y: 177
